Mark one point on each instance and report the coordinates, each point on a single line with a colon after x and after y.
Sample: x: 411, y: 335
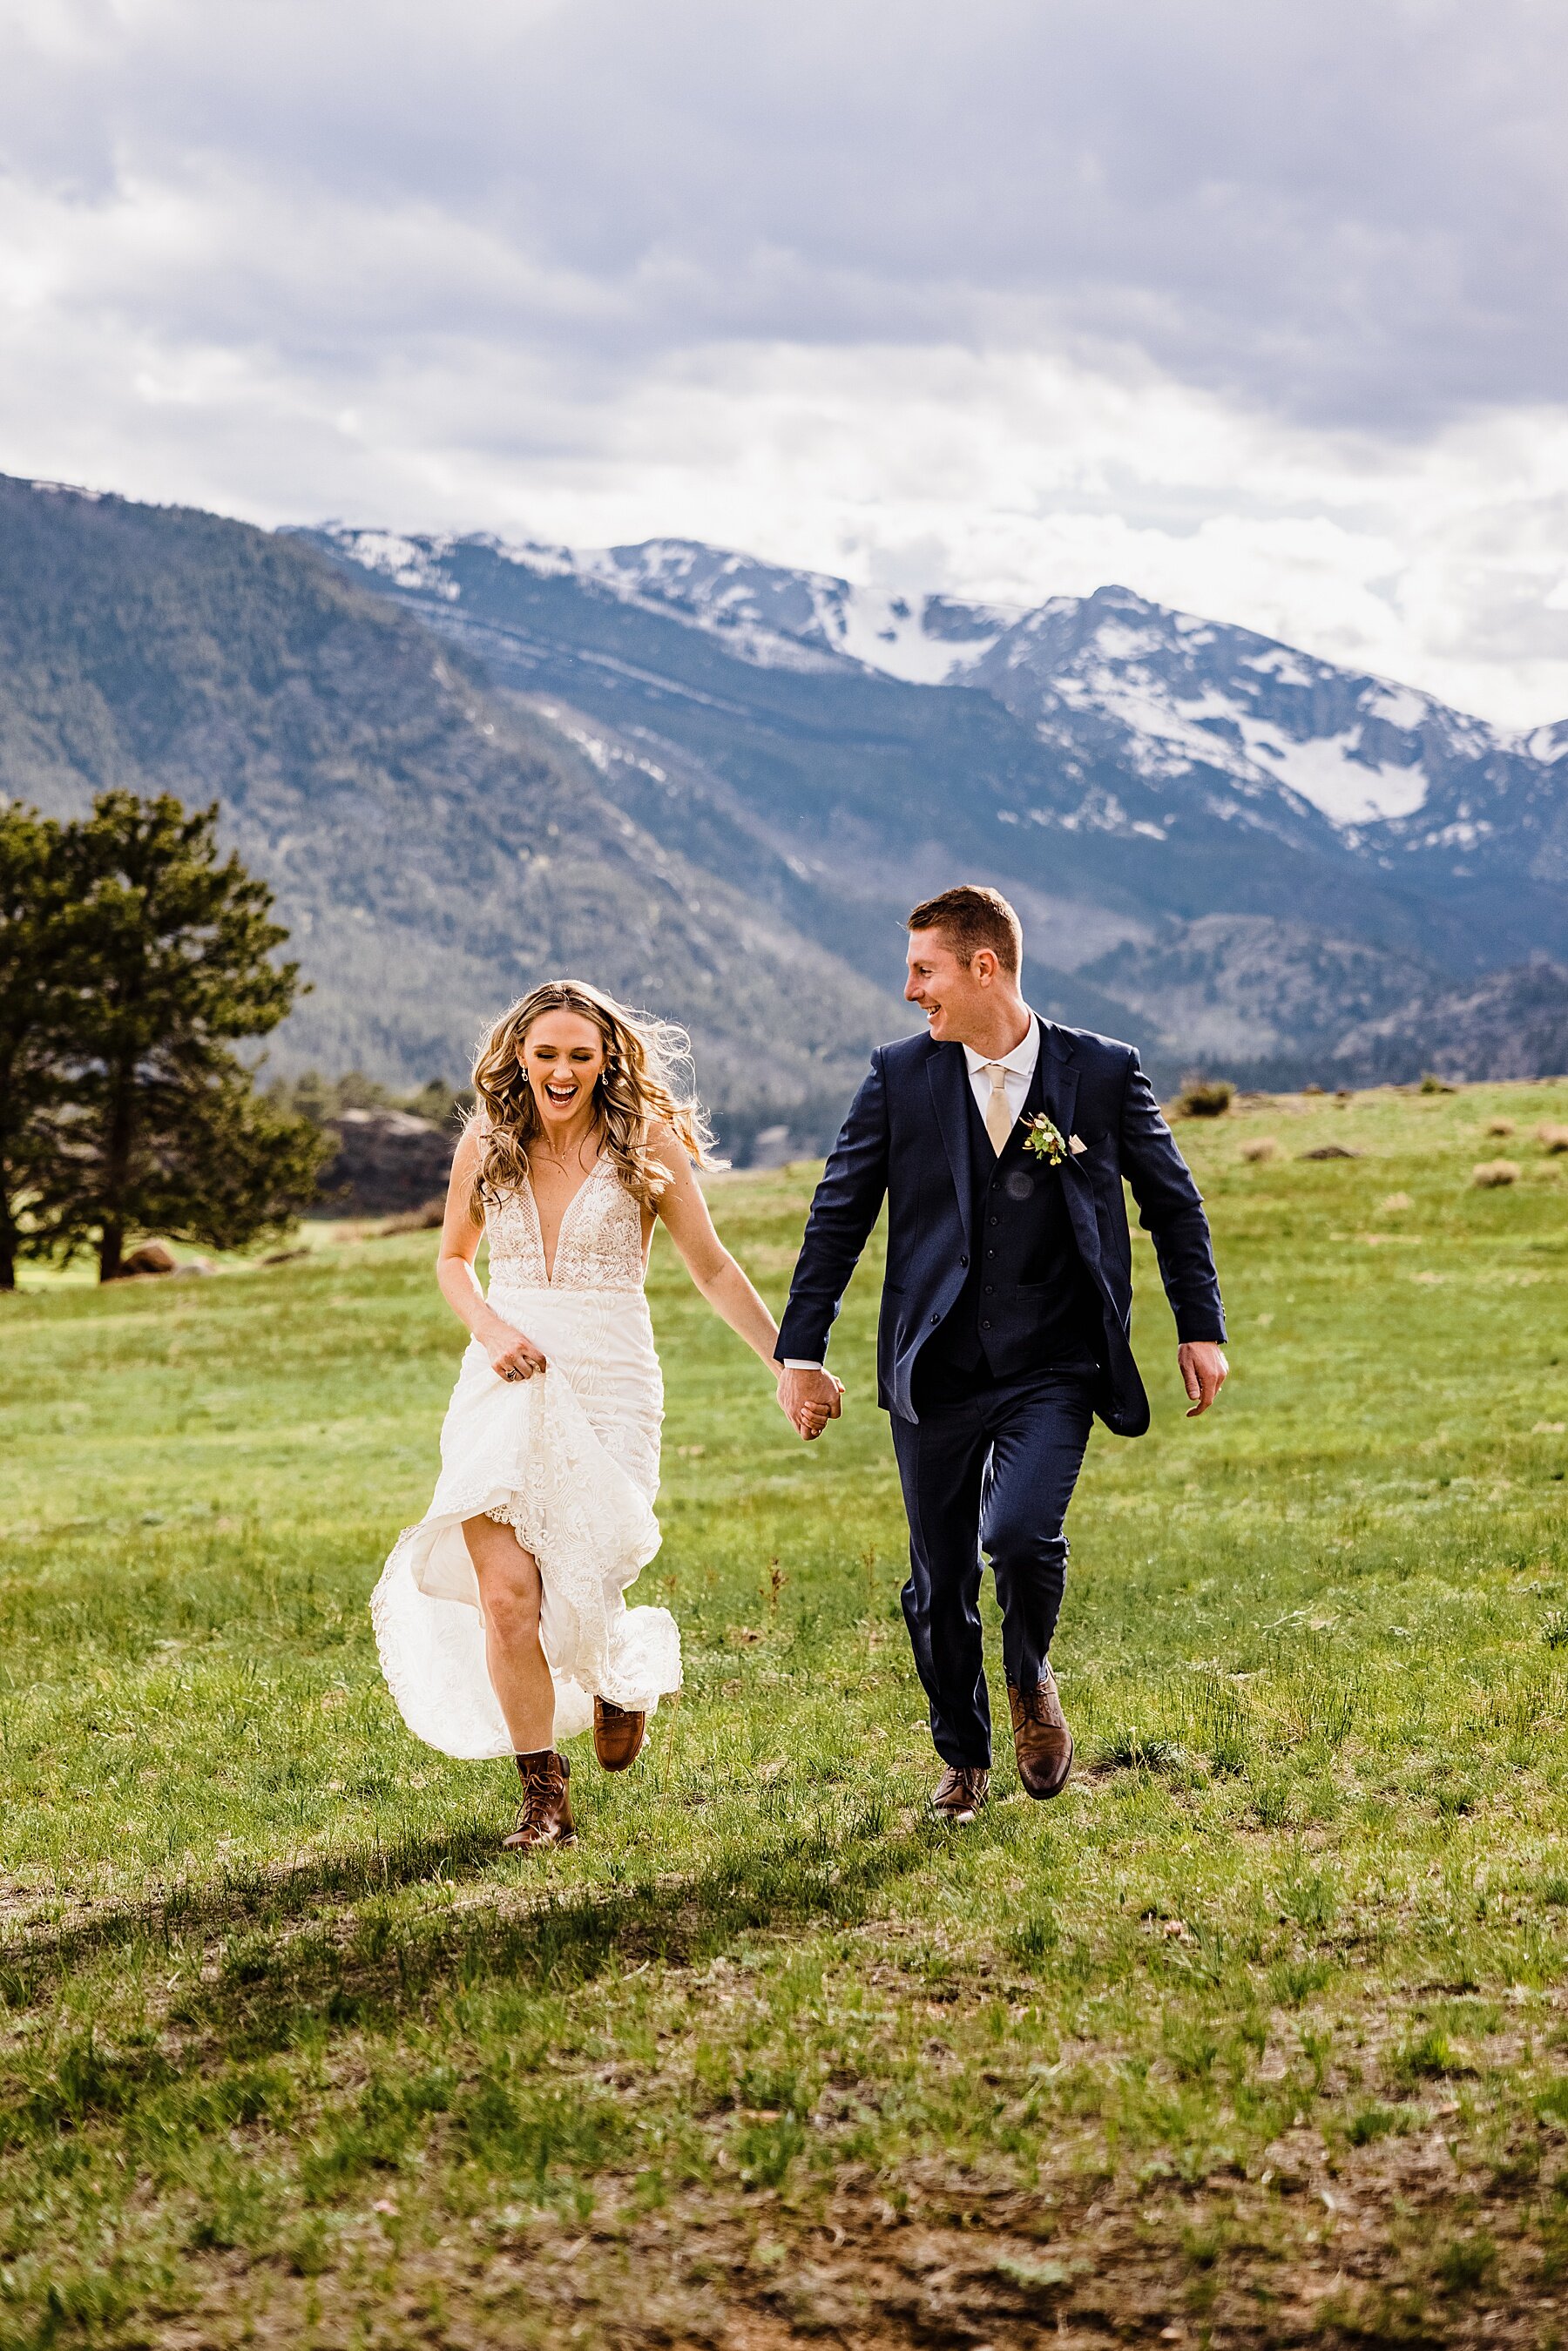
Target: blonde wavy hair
x: 646, y: 1076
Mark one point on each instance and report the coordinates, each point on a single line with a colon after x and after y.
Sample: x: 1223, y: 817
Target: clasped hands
x: 808, y: 1400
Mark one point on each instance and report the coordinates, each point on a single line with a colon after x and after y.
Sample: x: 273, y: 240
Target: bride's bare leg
x: 511, y: 1594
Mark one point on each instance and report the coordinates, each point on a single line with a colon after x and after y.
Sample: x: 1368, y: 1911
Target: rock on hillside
x: 386, y: 1162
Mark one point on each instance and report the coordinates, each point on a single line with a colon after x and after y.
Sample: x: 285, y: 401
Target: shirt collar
x: 1023, y: 1057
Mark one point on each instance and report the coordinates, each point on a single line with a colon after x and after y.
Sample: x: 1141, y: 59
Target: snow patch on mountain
x: 406, y: 562
x: 1328, y: 771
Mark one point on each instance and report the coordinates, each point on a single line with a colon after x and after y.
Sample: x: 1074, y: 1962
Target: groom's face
x: 949, y: 992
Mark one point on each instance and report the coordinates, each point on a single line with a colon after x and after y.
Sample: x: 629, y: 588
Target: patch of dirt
x: 1360, y: 2257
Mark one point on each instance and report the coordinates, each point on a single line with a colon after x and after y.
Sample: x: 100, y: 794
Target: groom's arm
x: 844, y: 1208
x: 1170, y: 1209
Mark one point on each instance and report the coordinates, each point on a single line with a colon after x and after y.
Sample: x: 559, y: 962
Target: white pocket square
x: 1076, y: 1143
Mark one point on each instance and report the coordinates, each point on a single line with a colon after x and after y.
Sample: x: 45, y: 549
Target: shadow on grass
x: 343, y: 1973
x: 271, y: 1896
x: 370, y: 1976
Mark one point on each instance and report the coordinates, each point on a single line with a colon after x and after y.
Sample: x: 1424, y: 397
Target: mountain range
x: 1229, y: 849
x: 717, y: 785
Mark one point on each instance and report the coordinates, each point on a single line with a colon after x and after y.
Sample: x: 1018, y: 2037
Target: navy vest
x: 1028, y: 1304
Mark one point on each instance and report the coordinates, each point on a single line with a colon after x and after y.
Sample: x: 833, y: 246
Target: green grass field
x: 1258, y: 2036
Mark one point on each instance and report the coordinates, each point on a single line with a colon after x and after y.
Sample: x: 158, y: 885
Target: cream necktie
x: 999, y: 1116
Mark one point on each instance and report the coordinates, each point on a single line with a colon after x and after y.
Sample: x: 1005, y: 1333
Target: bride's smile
x: 565, y: 1059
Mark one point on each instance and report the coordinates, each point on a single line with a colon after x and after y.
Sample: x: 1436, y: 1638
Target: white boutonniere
x: 1045, y: 1139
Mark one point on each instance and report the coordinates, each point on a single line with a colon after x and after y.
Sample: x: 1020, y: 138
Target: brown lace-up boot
x: 1042, y: 1740
x: 960, y: 1794
x: 618, y: 1734
x: 544, y: 1815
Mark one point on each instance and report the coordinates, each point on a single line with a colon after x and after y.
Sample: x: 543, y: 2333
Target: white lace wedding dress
x: 570, y: 1459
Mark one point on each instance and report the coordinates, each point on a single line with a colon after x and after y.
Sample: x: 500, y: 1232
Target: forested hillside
x: 433, y: 848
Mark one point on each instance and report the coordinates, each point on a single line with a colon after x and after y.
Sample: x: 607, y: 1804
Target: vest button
x: 963, y: 1261
x: 990, y: 1287
x: 936, y: 1318
x: 996, y: 1220
x: 987, y: 1324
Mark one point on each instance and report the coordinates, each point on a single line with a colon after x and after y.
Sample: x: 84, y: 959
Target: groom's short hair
x: 970, y: 917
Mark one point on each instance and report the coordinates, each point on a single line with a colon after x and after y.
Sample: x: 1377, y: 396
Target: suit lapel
x: 947, y: 1074
x: 1059, y: 1071
x: 1056, y: 1072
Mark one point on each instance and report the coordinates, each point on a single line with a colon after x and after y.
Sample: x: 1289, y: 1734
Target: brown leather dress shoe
x: 1042, y: 1740
x: 544, y: 1816
x: 961, y: 1794
x: 618, y: 1734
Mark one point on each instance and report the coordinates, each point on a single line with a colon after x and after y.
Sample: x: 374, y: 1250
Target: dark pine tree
x: 34, y: 1001
x: 171, y: 952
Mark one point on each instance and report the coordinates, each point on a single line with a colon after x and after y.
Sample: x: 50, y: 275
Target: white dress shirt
x: 1019, y: 1067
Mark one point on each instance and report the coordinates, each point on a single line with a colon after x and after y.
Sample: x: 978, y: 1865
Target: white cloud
x: 1249, y: 307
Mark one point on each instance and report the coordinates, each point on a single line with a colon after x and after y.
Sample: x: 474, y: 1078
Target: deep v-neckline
x: 548, y: 1263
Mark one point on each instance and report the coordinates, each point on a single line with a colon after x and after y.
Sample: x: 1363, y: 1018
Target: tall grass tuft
x: 1129, y: 1750
x: 1205, y: 1098
x: 1221, y: 1727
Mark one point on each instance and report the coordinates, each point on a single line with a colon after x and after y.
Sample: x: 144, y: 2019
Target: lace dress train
x: 570, y: 1459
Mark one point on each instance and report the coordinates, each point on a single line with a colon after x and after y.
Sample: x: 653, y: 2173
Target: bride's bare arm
x: 717, y: 1276
x: 512, y: 1355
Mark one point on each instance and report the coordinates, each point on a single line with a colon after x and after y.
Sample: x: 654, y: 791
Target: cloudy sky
x: 1258, y: 308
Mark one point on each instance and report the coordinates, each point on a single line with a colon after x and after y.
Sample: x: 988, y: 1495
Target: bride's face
x: 563, y: 1054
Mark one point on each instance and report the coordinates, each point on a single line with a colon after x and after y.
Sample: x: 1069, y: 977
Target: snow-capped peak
x: 765, y: 612
x: 762, y: 609
x: 1178, y: 696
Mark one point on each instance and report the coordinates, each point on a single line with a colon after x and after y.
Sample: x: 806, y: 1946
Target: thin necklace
x: 558, y: 1158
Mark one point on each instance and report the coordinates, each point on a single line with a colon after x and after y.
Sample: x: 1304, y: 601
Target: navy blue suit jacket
x: 907, y: 1139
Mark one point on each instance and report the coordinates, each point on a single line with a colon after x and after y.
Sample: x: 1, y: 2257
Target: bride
x: 500, y: 1618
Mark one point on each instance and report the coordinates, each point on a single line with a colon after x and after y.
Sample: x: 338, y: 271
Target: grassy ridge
x: 1259, y: 2033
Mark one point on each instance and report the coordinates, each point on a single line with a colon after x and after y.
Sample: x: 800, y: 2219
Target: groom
x: 1001, y: 1142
